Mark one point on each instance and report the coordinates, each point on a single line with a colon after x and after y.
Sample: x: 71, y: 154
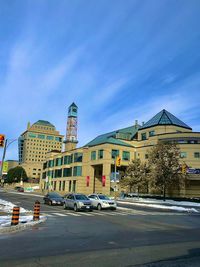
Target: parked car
x: 53, y: 198
x: 77, y: 202
x: 19, y: 188
x: 100, y: 201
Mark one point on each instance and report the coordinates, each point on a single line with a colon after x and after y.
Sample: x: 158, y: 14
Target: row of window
x: 62, y: 186
x: 144, y: 135
x: 184, y: 155
x: 65, y: 172
x: 43, y: 136
x: 114, y: 153
x: 76, y: 157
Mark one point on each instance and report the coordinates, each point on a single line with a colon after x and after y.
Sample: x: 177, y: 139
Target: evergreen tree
x: 16, y: 174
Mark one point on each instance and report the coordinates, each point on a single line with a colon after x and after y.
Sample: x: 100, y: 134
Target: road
x: 127, y: 237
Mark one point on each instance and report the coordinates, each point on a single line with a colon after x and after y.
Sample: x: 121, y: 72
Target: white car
x: 100, y: 201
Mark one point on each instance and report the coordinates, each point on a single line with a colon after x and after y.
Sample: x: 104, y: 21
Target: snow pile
x: 167, y: 201
x: 6, y: 206
x: 24, y: 217
x: 159, y: 206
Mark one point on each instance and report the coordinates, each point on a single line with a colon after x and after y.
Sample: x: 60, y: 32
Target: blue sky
x: 117, y: 60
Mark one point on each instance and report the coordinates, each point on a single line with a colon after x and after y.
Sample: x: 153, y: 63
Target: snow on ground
x: 7, y: 207
x: 159, y: 206
x: 160, y: 201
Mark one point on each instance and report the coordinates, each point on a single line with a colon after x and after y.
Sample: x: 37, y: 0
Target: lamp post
x: 7, y: 143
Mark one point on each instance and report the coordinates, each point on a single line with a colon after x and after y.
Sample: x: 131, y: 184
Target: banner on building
x: 87, y: 180
x: 103, y: 180
x: 5, y: 168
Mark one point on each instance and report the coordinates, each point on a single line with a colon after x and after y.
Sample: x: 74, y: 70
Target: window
x: 60, y: 183
x: 50, y: 137
x: 100, y: 154
x: 183, y: 155
x: 58, y: 161
x: 197, y: 154
x: 67, y: 172
x: 126, y: 155
x: 74, y: 186
x: 78, y: 157
x: 58, y: 173
x: 59, y: 139
x: 70, y: 187
x: 67, y: 159
x: 41, y: 136
x: 54, y: 186
x: 144, y: 136
x: 77, y: 171
x: 151, y: 133
x: 32, y: 135
x: 63, y: 186
x: 115, y: 153
x: 93, y: 155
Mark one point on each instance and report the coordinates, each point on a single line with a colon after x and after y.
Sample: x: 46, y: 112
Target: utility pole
x: 3, y: 157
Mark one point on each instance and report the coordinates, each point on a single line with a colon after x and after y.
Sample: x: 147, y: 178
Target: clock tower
x: 71, y: 131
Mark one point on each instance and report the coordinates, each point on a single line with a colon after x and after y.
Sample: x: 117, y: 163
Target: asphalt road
x: 127, y: 237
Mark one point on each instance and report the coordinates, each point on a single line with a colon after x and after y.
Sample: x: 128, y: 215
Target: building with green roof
x: 89, y: 169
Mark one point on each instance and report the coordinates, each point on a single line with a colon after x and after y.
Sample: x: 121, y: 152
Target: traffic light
x: 184, y: 169
x: 118, y: 161
x: 2, y: 139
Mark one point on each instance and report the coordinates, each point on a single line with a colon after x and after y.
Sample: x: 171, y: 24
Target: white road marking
x: 86, y: 214
x: 60, y: 214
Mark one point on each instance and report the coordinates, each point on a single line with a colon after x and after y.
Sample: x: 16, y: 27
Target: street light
x: 7, y: 143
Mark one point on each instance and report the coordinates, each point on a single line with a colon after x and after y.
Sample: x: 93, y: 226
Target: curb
x: 21, y: 226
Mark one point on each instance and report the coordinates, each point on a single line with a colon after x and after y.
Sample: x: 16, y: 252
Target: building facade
x: 90, y: 169
x: 35, y: 143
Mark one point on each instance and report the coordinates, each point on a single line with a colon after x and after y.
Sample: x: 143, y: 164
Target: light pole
x: 7, y: 143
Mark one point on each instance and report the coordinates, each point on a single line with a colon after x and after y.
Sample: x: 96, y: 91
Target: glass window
x: 78, y: 157
x: 63, y: 186
x: 32, y: 135
x: 115, y: 153
x: 77, y: 171
x: 58, y: 173
x: 58, y: 161
x: 67, y: 172
x: 100, y: 154
x: 59, y: 139
x: 50, y: 137
x: 197, y: 154
x: 68, y: 159
x: 126, y: 155
x: 41, y: 136
x: 70, y: 188
x: 183, y: 155
x: 151, y: 133
x: 144, y: 136
x: 93, y: 155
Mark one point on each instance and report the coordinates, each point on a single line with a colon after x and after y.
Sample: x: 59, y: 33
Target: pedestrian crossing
x: 120, y: 212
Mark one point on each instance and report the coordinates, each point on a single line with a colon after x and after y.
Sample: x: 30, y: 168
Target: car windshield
x: 104, y: 197
x: 54, y: 195
x: 81, y: 197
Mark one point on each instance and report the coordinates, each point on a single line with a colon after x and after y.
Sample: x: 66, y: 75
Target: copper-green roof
x: 45, y: 123
x: 164, y: 118
x: 110, y: 138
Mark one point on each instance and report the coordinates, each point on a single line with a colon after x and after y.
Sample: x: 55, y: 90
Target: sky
x: 119, y: 61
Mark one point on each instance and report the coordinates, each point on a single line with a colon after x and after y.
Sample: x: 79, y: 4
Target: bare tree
x: 165, y: 167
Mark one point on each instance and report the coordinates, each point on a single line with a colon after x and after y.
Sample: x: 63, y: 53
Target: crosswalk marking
x: 60, y: 214
x: 110, y: 213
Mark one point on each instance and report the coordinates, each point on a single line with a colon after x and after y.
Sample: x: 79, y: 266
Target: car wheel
x: 99, y: 207
x: 50, y: 203
x: 75, y: 208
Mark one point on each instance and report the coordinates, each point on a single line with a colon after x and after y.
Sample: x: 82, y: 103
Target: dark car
x: 19, y: 188
x: 53, y: 198
x: 77, y: 202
